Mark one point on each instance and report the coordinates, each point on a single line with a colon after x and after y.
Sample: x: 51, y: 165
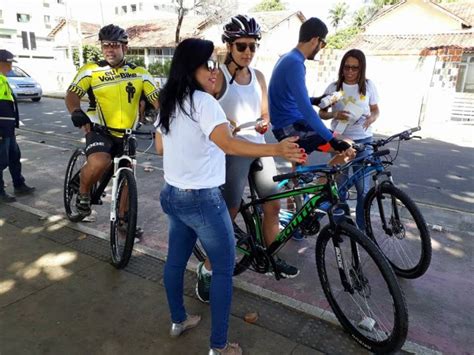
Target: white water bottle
x: 330, y: 99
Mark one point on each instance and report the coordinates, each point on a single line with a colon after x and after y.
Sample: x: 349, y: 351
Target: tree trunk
x: 178, y: 26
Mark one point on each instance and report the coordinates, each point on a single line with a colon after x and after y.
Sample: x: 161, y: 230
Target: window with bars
x: 24, y: 39
x: 465, y: 80
x: 28, y: 40
x: 32, y: 40
x: 23, y: 18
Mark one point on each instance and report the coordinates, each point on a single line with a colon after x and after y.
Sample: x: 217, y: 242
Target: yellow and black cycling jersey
x: 114, y: 93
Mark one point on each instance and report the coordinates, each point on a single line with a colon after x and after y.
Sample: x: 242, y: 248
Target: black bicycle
x: 124, y: 199
x: 357, y: 279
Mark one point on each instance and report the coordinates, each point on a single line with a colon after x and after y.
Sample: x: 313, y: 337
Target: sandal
x: 229, y: 349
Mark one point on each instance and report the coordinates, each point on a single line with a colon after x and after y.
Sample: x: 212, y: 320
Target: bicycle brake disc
x: 261, y: 261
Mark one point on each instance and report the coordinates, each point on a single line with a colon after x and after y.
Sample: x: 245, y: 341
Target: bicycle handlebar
x: 129, y: 131
x: 324, y: 169
x: 405, y: 135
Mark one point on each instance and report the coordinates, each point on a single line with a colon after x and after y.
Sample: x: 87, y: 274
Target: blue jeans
x: 362, y: 185
x: 10, y: 156
x: 200, y: 214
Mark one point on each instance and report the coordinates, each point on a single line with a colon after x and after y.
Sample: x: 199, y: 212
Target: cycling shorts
x: 309, y: 140
x: 99, y: 141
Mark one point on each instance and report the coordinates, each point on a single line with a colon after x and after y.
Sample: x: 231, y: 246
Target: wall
x: 282, y: 38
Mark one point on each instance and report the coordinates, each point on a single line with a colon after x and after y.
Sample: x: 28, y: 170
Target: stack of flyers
x: 355, y: 114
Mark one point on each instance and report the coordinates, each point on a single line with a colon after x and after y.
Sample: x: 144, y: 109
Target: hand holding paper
x: 355, y: 111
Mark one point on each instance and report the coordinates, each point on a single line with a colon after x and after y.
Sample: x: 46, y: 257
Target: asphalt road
x: 431, y: 171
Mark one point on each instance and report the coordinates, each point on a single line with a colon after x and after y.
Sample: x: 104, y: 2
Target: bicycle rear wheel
x: 405, y: 240
x: 72, y: 183
x: 243, y: 227
x: 123, y: 229
x: 371, y: 306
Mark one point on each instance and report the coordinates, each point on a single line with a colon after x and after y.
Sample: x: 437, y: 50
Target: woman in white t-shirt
x: 194, y: 136
x: 353, y: 115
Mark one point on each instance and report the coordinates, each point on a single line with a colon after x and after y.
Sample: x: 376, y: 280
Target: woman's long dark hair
x: 189, y: 56
x: 359, y: 55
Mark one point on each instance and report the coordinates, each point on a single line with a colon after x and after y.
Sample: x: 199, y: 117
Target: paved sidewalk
x: 60, y: 295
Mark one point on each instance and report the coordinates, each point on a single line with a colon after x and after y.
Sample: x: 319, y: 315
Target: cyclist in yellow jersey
x: 114, y: 88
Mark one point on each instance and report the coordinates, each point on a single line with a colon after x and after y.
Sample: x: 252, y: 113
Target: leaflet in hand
x: 355, y: 113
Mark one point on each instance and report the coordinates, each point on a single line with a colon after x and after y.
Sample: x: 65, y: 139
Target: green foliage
x: 89, y: 54
x: 382, y: 3
x: 138, y: 60
x: 342, y: 38
x: 337, y: 13
x: 359, y: 17
x: 269, y: 5
x: 160, y: 70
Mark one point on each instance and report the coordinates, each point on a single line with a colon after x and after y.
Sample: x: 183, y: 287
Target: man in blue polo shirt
x: 9, y: 150
x: 291, y: 112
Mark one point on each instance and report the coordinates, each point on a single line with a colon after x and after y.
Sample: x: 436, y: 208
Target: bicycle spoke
x: 367, y: 308
x: 402, y: 247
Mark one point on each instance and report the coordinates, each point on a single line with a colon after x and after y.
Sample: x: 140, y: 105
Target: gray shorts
x: 237, y: 171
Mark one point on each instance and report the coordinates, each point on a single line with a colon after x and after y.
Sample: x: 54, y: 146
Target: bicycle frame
x: 112, y: 173
x: 324, y: 197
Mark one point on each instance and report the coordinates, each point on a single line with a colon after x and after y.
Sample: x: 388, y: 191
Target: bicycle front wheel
x: 123, y: 229
x: 404, y: 238
x: 72, y: 183
x: 369, y: 304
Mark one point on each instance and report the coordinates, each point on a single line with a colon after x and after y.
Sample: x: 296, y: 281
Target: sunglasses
x: 351, y: 67
x: 241, y: 46
x: 113, y: 45
x: 212, y: 65
x: 323, y: 42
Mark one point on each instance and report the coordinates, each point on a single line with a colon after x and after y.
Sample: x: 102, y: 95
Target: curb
x: 286, y: 301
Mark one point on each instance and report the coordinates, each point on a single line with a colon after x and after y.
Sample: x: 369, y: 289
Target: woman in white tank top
x: 242, y: 94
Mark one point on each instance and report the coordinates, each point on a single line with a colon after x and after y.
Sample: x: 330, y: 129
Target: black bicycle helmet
x: 113, y: 33
x: 241, y: 26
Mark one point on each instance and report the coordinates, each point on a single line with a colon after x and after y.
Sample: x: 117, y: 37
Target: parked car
x: 23, y: 85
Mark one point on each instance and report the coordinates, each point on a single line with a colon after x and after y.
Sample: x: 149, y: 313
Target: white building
x: 130, y: 10
x: 24, y: 29
x: 25, y: 24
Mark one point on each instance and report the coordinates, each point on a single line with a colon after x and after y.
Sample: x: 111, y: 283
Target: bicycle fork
x: 131, y: 164
x: 379, y: 196
x: 350, y: 273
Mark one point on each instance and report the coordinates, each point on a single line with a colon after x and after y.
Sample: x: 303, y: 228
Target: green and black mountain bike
x: 357, y: 279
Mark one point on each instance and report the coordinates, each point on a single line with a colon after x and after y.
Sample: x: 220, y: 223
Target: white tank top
x: 243, y: 105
